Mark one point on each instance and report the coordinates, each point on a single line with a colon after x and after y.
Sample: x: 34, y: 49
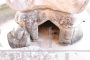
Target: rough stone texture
x: 71, y: 6
x: 33, y: 13
x: 64, y: 21
x: 30, y: 20
x: 18, y: 38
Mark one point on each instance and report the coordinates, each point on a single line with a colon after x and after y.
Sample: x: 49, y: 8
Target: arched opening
x: 48, y: 30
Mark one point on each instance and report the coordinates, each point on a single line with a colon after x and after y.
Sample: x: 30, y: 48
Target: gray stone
x: 18, y: 38
x: 31, y: 24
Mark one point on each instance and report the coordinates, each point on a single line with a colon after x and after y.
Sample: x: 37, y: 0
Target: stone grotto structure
x: 32, y: 13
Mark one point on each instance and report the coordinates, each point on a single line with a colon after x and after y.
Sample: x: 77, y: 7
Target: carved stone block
x: 33, y: 13
x: 64, y: 21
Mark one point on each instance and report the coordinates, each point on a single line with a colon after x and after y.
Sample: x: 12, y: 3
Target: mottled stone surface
x: 64, y: 21
x: 32, y: 13
x: 31, y: 25
x: 18, y: 38
x: 71, y: 6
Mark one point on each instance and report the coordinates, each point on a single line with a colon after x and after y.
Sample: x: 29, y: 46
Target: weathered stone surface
x: 33, y: 13
x: 63, y: 21
x: 31, y: 24
x: 18, y: 38
x: 70, y: 6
